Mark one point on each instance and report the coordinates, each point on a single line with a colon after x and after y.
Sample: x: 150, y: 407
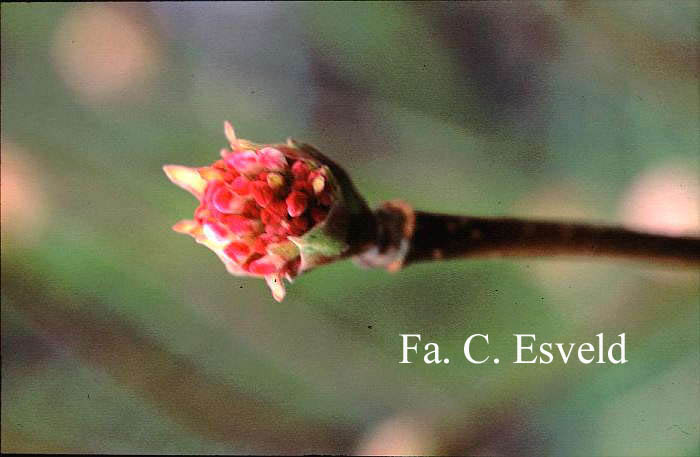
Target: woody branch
x: 405, y: 236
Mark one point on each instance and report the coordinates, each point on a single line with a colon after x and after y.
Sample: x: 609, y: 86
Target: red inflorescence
x: 251, y: 202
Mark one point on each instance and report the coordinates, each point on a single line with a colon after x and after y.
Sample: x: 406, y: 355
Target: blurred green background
x: 119, y: 335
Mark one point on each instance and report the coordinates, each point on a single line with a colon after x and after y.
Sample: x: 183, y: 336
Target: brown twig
x: 405, y: 236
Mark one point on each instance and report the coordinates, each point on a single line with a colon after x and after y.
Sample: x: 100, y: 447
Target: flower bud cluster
x: 251, y: 201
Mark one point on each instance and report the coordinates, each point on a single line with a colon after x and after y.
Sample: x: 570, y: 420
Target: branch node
x: 396, y: 223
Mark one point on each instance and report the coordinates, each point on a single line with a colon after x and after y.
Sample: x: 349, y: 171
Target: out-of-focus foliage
x: 119, y: 335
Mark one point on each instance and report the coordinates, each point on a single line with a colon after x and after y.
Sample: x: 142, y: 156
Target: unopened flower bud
x: 244, y: 162
x: 272, y: 159
x: 272, y: 211
x: 241, y: 185
x: 300, y: 170
x: 262, y: 193
x: 296, y: 203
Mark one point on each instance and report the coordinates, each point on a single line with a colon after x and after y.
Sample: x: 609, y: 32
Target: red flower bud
x: 237, y: 251
x: 260, y: 246
x: 296, y: 203
x: 262, y: 267
x: 272, y: 159
x: 278, y: 208
x: 244, y: 162
x: 240, y: 225
x: 262, y: 193
x: 241, y: 185
x: 225, y: 201
x: 300, y: 170
x: 258, y: 203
